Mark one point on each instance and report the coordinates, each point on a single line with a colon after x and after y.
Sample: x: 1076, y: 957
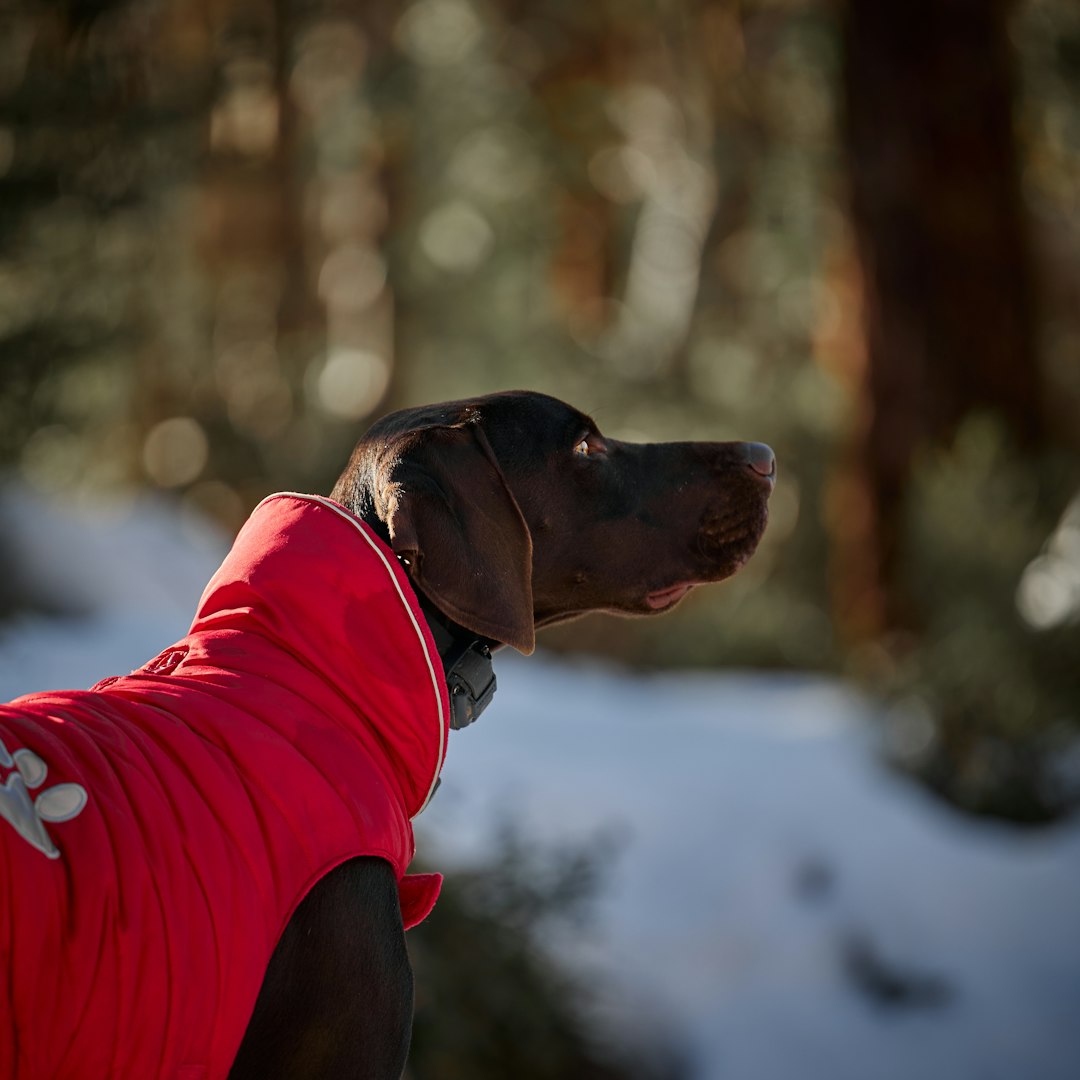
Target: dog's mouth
x: 725, y: 558
x: 662, y: 599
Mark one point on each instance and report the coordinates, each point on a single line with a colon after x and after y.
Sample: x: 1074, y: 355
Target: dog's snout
x: 760, y: 458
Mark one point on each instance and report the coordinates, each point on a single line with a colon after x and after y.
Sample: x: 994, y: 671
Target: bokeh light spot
x: 330, y: 62
x: 622, y: 174
x: 456, y: 237
x: 352, y: 382
x: 496, y: 163
x: 1049, y: 590
x: 352, y: 278
x: 175, y: 451
x: 438, y: 32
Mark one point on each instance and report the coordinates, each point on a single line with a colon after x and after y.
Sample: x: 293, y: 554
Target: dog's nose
x: 760, y: 458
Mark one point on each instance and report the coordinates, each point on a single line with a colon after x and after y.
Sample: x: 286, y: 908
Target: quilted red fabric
x: 158, y: 831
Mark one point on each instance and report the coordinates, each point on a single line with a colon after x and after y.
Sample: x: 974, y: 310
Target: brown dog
x: 510, y: 512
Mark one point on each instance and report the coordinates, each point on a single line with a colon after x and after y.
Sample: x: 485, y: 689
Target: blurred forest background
x: 233, y: 231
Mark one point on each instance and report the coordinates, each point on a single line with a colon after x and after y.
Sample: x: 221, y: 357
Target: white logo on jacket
x: 27, y: 816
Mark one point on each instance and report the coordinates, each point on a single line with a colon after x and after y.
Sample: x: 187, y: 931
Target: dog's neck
x: 466, y: 657
x: 367, y: 514
x: 467, y: 664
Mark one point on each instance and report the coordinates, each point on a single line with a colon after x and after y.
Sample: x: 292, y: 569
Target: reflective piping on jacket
x: 351, y: 518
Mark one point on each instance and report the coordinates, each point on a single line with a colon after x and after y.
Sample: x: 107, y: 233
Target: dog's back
x: 161, y: 828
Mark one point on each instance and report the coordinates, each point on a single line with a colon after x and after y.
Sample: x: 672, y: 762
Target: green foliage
x: 992, y: 675
x: 493, y: 1000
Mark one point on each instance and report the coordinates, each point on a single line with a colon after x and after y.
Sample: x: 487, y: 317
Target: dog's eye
x: 589, y: 445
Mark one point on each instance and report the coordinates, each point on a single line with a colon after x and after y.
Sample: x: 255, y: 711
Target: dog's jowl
x: 204, y: 862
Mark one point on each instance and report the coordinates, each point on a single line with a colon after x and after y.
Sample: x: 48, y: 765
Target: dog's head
x: 513, y: 511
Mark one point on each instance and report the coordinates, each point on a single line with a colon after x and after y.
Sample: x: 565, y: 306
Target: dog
x: 204, y: 862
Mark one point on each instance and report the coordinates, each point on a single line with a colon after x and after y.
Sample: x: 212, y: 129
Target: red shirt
x: 158, y: 831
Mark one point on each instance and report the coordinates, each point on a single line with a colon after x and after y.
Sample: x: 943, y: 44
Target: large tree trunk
x: 946, y: 275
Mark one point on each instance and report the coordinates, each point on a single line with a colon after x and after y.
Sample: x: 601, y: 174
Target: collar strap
x: 467, y: 664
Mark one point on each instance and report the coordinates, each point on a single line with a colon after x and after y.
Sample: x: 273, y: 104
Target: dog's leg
x: 337, y: 1000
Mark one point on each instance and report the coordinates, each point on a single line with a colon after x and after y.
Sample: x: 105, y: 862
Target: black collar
x: 466, y: 659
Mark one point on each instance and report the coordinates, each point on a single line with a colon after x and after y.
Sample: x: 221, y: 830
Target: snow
x: 127, y: 575
x: 761, y: 840
x: 730, y: 790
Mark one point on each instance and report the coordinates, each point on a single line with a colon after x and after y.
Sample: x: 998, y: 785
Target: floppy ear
x: 454, y: 520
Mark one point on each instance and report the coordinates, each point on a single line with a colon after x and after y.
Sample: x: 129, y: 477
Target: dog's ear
x: 455, y: 523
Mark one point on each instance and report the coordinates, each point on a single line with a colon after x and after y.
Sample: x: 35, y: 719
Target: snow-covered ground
x: 772, y: 873
x: 790, y: 908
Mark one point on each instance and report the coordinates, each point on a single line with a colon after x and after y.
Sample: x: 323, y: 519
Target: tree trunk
x: 941, y: 239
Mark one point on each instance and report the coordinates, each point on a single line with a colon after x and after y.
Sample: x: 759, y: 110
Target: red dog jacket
x: 158, y: 831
